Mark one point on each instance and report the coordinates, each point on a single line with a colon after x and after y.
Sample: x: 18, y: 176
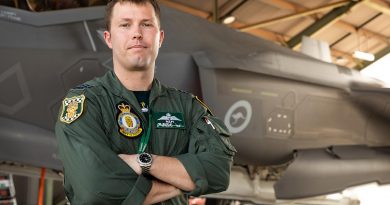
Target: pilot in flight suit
x: 101, y: 119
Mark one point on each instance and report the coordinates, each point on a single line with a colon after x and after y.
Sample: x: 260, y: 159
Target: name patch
x: 170, y: 120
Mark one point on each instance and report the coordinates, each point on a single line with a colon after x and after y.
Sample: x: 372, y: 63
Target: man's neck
x: 135, y: 80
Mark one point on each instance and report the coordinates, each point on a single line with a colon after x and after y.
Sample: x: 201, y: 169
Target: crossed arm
x: 171, y: 174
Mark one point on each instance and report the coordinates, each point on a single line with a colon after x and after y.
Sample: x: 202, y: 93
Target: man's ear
x: 161, y: 37
x: 107, y: 38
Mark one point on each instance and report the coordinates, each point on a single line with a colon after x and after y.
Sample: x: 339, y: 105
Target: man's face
x: 134, y: 36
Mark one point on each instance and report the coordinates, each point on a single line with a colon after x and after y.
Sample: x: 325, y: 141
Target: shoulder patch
x: 204, y: 105
x: 72, y: 108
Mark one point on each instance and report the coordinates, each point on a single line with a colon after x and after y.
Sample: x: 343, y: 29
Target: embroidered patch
x: 72, y: 108
x: 128, y: 123
x: 169, y: 120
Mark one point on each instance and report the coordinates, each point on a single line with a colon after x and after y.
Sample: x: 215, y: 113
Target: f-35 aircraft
x: 302, y: 127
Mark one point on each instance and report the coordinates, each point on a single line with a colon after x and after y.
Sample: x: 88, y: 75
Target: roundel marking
x: 239, y: 120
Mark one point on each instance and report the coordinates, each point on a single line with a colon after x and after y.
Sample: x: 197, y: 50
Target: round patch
x: 128, y: 123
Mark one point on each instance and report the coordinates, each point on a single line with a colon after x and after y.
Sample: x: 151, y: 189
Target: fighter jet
x: 302, y: 127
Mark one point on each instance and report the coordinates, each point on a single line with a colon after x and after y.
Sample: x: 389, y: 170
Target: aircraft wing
x: 24, y: 144
x: 324, y: 171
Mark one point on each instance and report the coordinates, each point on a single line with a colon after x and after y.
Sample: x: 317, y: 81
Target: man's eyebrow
x: 130, y: 19
x: 125, y: 19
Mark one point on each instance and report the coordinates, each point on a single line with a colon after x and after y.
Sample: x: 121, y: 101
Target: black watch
x: 145, y: 162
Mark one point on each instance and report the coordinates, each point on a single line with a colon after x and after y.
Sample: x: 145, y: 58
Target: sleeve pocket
x: 222, y: 133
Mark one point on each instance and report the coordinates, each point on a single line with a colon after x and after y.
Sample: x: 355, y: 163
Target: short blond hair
x: 112, y: 3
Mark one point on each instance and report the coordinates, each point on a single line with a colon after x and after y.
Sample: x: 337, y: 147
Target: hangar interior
x: 346, y: 26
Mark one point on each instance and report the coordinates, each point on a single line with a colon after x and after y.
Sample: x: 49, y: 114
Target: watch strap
x: 145, y: 169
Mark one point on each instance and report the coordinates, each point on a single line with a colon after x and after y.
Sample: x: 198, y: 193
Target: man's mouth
x: 137, y: 47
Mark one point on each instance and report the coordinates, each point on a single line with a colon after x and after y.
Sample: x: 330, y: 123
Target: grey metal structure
x: 318, y: 127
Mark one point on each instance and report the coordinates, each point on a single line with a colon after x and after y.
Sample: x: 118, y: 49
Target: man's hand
x: 131, y: 160
x: 170, y: 170
x: 161, y: 191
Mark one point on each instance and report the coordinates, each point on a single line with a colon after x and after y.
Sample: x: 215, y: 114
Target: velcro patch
x: 171, y: 120
x: 72, y: 108
x: 128, y: 123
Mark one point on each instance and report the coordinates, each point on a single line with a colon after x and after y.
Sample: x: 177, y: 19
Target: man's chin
x: 139, y: 66
x: 138, y: 63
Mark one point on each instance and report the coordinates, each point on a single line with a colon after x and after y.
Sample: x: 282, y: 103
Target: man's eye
x: 147, y: 24
x: 125, y: 25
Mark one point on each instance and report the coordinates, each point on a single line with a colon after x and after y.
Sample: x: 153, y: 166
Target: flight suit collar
x: 113, y: 84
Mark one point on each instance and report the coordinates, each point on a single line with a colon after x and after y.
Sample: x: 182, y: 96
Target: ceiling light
x: 229, y: 19
x: 364, y: 55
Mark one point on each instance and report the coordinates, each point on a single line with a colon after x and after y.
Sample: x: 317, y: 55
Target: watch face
x: 145, y: 158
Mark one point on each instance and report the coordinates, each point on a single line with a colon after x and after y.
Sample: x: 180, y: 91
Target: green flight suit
x: 90, y: 141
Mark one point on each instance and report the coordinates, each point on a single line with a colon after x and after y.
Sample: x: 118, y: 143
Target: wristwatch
x: 145, y: 162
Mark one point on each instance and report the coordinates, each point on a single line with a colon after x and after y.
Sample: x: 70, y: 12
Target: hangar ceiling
x: 346, y: 25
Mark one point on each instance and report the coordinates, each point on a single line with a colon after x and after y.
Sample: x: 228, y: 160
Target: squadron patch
x: 128, y: 123
x: 72, y: 108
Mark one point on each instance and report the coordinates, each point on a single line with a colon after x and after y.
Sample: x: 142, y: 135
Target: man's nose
x: 137, y: 34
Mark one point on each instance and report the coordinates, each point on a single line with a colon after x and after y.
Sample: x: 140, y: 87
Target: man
x: 126, y: 139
